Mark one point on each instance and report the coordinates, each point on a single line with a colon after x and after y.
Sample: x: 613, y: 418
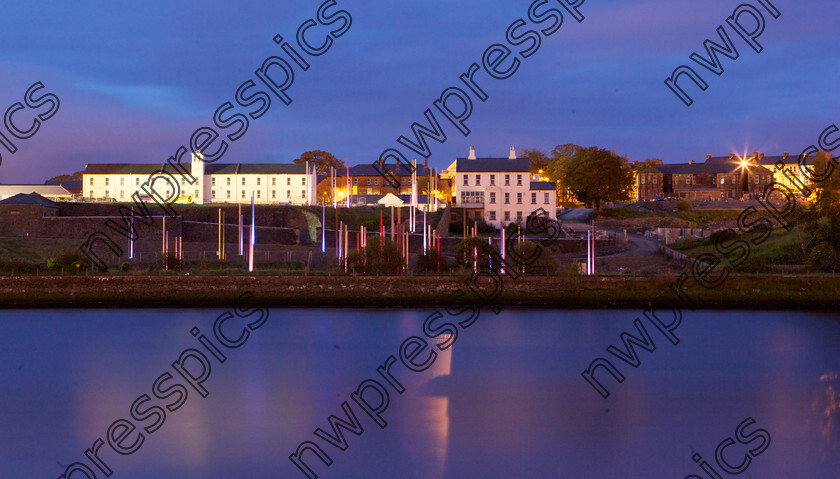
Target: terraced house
x: 715, y: 179
x: 214, y: 182
x: 500, y: 190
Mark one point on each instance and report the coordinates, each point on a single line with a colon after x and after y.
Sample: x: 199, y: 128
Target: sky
x: 136, y: 79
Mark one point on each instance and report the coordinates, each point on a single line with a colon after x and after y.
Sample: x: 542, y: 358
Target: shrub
x: 753, y: 264
x: 431, y: 263
x: 825, y: 258
x: 683, y: 205
x: 537, y: 258
x: 68, y: 261
x: 379, y: 257
x: 470, y: 253
x: 18, y: 266
x: 125, y: 267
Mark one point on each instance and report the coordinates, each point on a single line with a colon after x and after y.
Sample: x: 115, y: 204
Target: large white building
x: 214, y: 182
x: 500, y: 190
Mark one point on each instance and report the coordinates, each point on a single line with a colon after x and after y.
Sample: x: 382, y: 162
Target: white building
x: 500, y: 190
x: 214, y: 182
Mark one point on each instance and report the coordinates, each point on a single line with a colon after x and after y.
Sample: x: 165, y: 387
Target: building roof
x: 421, y: 199
x: 493, y: 165
x: 367, y: 169
x: 44, y: 190
x: 708, y: 168
x: 543, y: 185
x: 209, y: 168
x: 68, y: 185
x: 28, y: 199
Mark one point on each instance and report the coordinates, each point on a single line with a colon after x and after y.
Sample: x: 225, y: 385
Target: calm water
x: 507, y: 400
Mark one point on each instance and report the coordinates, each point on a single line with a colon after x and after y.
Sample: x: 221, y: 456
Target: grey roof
x: 209, y: 168
x: 28, y: 199
x: 492, y: 165
x: 543, y: 185
x: 70, y: 185
x: 45, y: 190
x: 367, y: 169
x: 421, y: 199
x: 708, y: 168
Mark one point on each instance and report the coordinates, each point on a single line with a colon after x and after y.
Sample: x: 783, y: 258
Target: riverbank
x: 739, y: 292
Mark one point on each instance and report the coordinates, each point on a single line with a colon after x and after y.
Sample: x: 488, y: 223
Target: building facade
x: 211, y: 183
x: 500, y: 190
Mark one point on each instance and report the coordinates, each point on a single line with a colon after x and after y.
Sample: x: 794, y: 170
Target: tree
x: 323, y: 160
x: 597, y: 175
x: 77, y: 176
x: 537, y: 159
x: 822, y: 219
x: 556, y: 169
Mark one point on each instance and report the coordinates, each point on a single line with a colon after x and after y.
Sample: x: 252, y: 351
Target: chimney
x: 472, y: 153
x: 690, y: 162
x: 760, y: 156
x: 731, y: 155
x: 708, y: 156
x: 426, y: 163
x: 512, y: 155
x: 784, y: 155
x: 382, y: 163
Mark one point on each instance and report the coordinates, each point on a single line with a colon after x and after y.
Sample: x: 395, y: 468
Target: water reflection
x: 506, y: 400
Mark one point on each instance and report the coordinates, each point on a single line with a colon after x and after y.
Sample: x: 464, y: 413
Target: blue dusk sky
x: 136, y: 79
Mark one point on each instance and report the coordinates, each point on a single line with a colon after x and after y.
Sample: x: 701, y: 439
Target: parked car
x: 658, y: 198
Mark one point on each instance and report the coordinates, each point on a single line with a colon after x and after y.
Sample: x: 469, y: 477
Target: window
x: 507, y: 180
x: 376, y: 181
x: 91, y: 193
x: 106, y: 194
x: 403, y: 180
x: 288, y: 194
x: 722, y: 180
x: 466, y: 180
x: 368, y: 181
x: 545, y: 198
x: 654, y: 180
x: 533, y: 198
x: 518, y: 180
x: 196, y: 194
x: 122, y: 194
x: 756, y: 180
x: 303, y: 181
x: 258, y: 193
x: 519, y: 217
x: 274, y: 181
x: 477, y: 180
x: 355, y: 181
x: 91, y: 181
x: 507, y: 198
x: 273, y: 194
x: 258, y: 181
x: 507, y: 215
x: 472, y: 197
x: 492, y: 198
x: 243, y: 181
x: 183, y: 181
x: 136, y: 181
x: 642, y: 179
x: 122, y: 181
x: 228, y: 181
x: 492, y: 216
x: 212, y: 193
x: 288, y: 181
x: 243, y: 193
x: 733, y: 179
x: 213, y: 181
x: 107, y: 180
x: 303, y: 194
x: 519, y: 198
x: 492, y: 180
x: 228, y: 194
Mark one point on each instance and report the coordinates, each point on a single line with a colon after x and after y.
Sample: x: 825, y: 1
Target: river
x: 506, y: 400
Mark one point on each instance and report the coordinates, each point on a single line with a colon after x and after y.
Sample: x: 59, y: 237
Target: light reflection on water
x: 507, y: 400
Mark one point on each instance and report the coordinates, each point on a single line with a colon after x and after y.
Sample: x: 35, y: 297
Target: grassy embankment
x: 753, y: 292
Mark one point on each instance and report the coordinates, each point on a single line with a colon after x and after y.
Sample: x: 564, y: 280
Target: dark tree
x: 323, y: 160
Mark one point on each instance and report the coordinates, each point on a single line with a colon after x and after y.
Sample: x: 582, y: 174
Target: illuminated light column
x: 132, y: 236
x: 348, y: 186
x: 241, y: 232
x: 413, y: 196
x: 502, y: 248
x: 425, y: 233
x: 253, y: 236
x: 324, y: 228
x: 219, y: 252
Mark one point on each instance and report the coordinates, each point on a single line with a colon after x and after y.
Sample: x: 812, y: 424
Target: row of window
x: 653, y: 179
x: 213, y: 181
x: 491, y: 216
x: 213, y: 194
x: 492, y: 180
x: 478, y: 197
